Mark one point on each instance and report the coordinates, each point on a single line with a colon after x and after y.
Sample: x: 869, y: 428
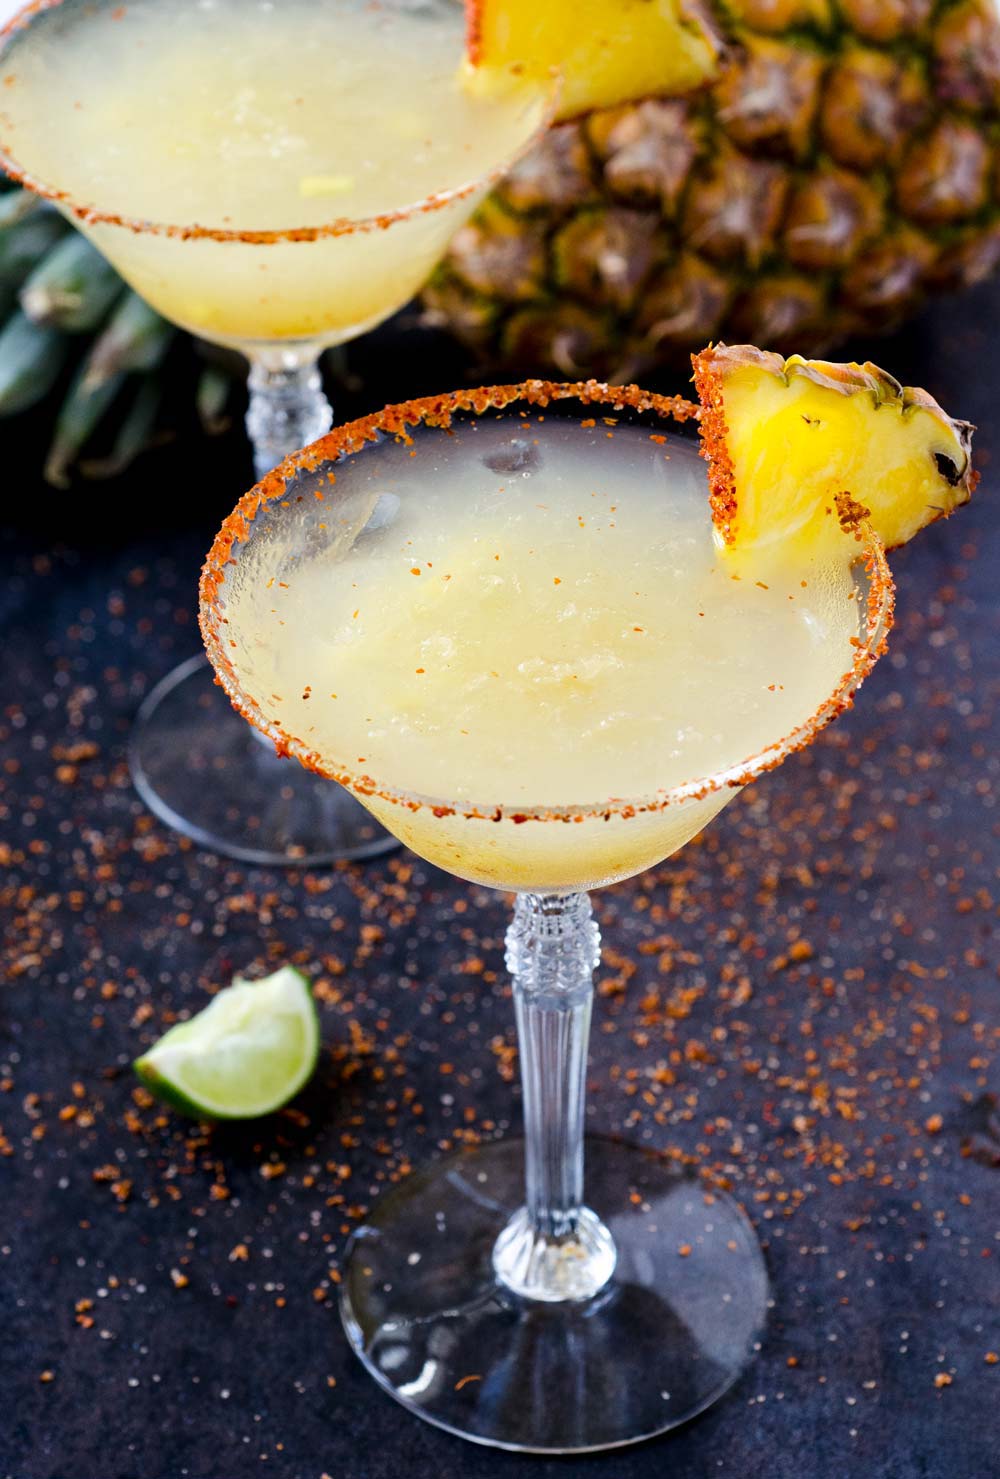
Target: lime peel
x: 246, y: 1054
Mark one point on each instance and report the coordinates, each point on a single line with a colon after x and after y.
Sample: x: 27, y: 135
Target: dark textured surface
x: 805, y: 1001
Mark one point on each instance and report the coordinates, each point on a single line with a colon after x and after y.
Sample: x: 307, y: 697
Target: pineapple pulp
x: 606, y: 51
x: 801, y: 446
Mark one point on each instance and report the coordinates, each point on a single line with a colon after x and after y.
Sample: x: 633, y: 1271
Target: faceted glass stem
x: 288, y: 409
x: 554, y: 1248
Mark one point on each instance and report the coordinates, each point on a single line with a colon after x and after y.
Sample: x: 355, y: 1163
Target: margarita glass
x: 276, y: 178
x: 512, y: 599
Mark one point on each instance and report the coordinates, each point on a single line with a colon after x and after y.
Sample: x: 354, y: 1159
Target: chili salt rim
x: 342, y: 226
x: 437, y: 412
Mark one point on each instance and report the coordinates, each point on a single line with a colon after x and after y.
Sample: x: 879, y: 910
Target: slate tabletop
x: 805, y: 1002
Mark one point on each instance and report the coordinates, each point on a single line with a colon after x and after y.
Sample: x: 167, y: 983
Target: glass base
x: 206, y: 772
x: 667, y: 1335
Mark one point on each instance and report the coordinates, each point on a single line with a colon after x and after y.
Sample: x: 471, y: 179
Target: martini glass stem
x: 554, y: 1248
x: 288, y: 409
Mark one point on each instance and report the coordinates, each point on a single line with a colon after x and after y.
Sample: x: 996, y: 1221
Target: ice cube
x: 516, y: 456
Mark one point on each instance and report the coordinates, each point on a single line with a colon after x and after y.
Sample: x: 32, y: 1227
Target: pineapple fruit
x: 839, y: 161
x: 799, y: 448
x: 821, y: 166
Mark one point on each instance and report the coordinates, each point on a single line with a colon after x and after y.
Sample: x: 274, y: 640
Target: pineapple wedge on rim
x: 605, y: 52
x: 796, y: 447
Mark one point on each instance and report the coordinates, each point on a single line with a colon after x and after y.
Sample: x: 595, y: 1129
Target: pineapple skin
x: 843, y: 164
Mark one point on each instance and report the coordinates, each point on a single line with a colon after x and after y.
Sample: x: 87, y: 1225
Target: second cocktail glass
x: 499, y: 618
x: 277, y: 179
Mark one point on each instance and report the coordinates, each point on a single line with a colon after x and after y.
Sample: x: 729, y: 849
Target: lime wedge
x: 247, y: 1053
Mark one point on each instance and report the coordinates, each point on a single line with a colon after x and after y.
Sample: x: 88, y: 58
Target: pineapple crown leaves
x: 65, y: 311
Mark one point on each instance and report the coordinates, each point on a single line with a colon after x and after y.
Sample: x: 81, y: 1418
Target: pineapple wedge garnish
x: 798, y: 448
x: 605, y: 52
